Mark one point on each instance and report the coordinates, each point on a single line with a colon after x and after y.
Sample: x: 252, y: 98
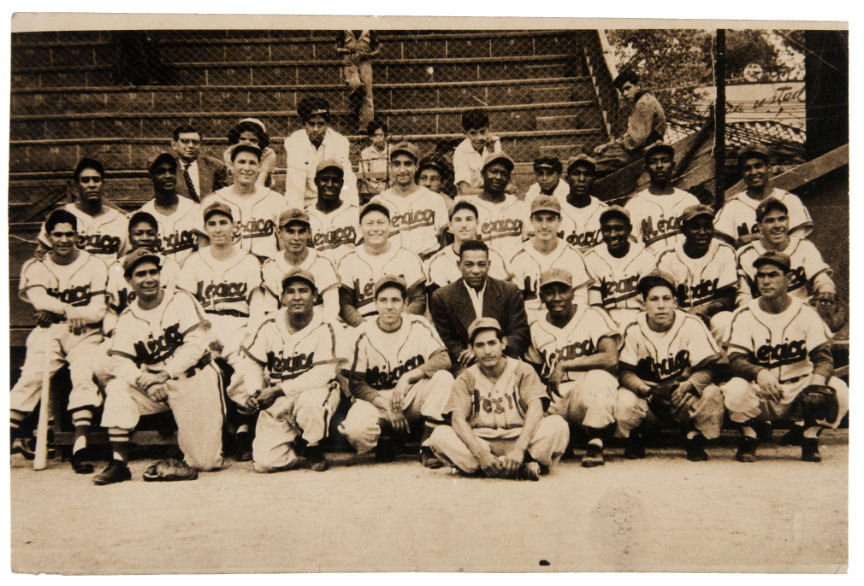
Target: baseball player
x: 255, y: 209
x: 665, y: 370
x: 736, y: 221
x: 496, y: 412
x: 288, y: 374
x: 705, y: 270
x: 163, y: 363
x: 656, y: 211
x: 543, y: 252
x: 101, y: 228
x: 616, y: 266
x: 179, y: 218
x: 781, y: 362
x: 334, y: 223
x: 547, y: 172
x: 810, y: 275
x: 579, y: 209
x: 361, y: 269
x: 443, y: 266
x: 576, y: 348
x: 417, y: 214
x: 66, y: 288
x: 398, y: 376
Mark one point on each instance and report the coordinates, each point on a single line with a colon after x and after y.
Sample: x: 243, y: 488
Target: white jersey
x: 699, y: 279
x: 75, y: 284
x: 805, y: 261
x: 527, y: 265
x: 274, y: 269
x: 256, y: 218
x: 670, y: 355
x: 614, y: 280
x: 178, y: 231
x: 334, y: 234
x: 656, y: 219
x: 301, y: 165
x: 780, y: 342
x: 560, y: 192
x: 737, y: 217
x: 584, y: 224
x: 120, y: 294
x: 103, y: 236
x: 442, y: 267
x: 502, y: 225
x: 381, y: 358
x: 359, y: 271
x: 222, y: 287
x: 416, y: 219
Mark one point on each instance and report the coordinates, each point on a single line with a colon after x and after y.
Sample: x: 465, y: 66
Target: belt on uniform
x: 231, y: 312
x: 793, y: 380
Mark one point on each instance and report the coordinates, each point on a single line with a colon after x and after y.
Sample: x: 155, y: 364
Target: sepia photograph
x: 294, y: 294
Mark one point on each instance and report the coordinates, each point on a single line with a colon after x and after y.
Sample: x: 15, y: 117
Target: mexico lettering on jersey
x: 443, y: 269
x: 120, y: 293
x: 75, y: 284
x: 256, y: 218
x: 579, y: 337
x: 656, y: 219
x: 502, y: 225
x: 222, y: 287
x: 584, y: 232
x: 527, y: 265
x: 780, y: 342
x: 381, y: 358
x: 285, y: 356
x: 103, y: 236
x: 699, y: 279
x: 335, y: 234
x: 614, y: 280
x: 178, y: 231
x: 806, y: 264
x: 359, y: 270
x: 496, y: 409
x: 274, y: 270
x: 670, y: 355
x: 737, y: 217
x: 416, y: 219
x: 149, y: 337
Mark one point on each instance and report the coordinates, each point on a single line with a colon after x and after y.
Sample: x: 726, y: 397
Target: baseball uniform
x: 656, y: 219
x: 326, y: 282
x: 614, y: 280
x: 334, y: 234
x: 303, y: 365
x: 560, y: 192
x: 103, y: 236
x: 169, y: 338
x: 527, y: 264
x: 809, y: 271
x: 359, y: 271
x: 178, y: 231
x: 256, y: 217
x: 584, y: 224
x: 737, y: 217
x: 380, y: 359
x: 416, y: 219
x: 786, y: 344
x: 119, y: 294
x: 500, y: 225
x: 442, y: 267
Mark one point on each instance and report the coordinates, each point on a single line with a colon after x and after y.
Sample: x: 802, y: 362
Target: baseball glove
x: 830, y: 310
x: 816, y: 403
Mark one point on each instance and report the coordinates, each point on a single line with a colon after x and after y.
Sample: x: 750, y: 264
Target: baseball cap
x: 245, y: 148
x: 483, y: 323
x: 501, y: 157
x: 615, y: 210
x: 653, y: 279
x: 658, y: 147
x: 556, y: 276
x: 298, y: 275
x: 159, y: 157
x: 545, y: 203
x: 293, y: 215
x: 405, y: 148
x: 768, y: 204
x: 777, y: 259
x: 218, y: 207
x: 432, y: 162
x: 582, y: 158
x: 548, y: 162
x: 464, y: 204
x: 329, y: 164
x: 696, y: 211
x: 374, y: 206
x: 391, y: 280
x: 753, y: 150
x: 136, y: 257
x: 256, y: 122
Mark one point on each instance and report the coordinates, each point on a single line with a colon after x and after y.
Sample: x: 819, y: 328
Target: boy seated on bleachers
x: 468, y: 157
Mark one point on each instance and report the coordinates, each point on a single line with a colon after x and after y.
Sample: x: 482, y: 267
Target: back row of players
x: 257, y: 239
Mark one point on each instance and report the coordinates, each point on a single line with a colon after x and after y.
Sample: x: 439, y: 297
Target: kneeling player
x: 497, y: 424
x: 577, y: 346
x: 163, y: 363
x: 665, y: 372
x: 780, y: 354
x: 399, y: 375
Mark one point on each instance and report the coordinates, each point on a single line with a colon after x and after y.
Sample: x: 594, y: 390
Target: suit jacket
x: 452, y: 312
x: 212, y: 176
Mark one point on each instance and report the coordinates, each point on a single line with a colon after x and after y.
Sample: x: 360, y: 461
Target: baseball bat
x: 40, y: 461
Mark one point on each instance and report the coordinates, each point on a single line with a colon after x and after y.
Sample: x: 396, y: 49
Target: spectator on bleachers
x: 436, y: 175
x: 358, y: 48
x: 252, y: 131
x: 582, y: 209
x: 197, y: 176
x: 334, y: 223
x: 372, y: 177
x: 308, y: 146
x: 547, y: 172
x: 471, y: 153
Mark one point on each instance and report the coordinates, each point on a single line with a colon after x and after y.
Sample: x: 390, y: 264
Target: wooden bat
x: 40, y: 461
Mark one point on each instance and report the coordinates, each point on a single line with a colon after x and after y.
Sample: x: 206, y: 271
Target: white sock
x: 812, y: 432
x: 119, y: 457
x: 80, y: 444
x: 596, y: 441
x: 691, y: 434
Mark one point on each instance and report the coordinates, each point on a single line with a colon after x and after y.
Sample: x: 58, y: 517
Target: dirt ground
x: 661, y: 514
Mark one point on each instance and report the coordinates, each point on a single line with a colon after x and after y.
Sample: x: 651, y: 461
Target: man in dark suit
x: 455, y: 306
x: 197, y: 176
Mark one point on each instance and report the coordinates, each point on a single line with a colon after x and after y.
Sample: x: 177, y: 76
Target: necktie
x: 190, y: 187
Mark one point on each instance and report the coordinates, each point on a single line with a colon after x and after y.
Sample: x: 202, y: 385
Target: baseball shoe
x: 593, y: 456
x: 78, y: 463
x: 810, y: 449
x: 170, y: 470
x: 793, y: 437
x: 115, y: 471
x: 635, y: 449
x: 22, y: 446
x: 746, y: 450
x: 244, y: 447
x: 695, y: 447
x: 429, y: 460
x: 529, y: 471
x: 317, y: 461
x: 386, y: 450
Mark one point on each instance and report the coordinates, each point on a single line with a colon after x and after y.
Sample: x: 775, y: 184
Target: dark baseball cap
x: 545, y: 203
x: 777, y: 259
x: 405, y: 148
x: 483, y: 323
x: 616, y: 211
x: 501, y: 157
x: 659, y: 147
x: 583, y: 159
x: 293, y: 215
x: 136, y: 257
x: 159, y: 157
x: 464, y: 204
x: 556, y: 276
x: 391, y: 281
x: 696, y: 211
x: 768, y: 204
x: 298, y: 275
x: 653, y: 279
x: 329, y: 164
x: 218, y: 207
x: 753, y: 150
x: 374, y: 206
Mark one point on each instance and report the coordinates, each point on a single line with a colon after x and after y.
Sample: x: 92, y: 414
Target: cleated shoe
x: 115, y: 471
x: 810, y: 449
x: 746, y: 450
x: 593, y: 456
x: 695, y: 448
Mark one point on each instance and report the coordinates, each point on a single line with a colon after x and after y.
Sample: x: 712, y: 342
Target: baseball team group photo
x: 268, y: 285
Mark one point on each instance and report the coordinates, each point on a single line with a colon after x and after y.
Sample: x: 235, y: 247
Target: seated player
x: 547, y: 172
x: 288, y: 375
x: 616, y: 266
x: 252, y: 131
x: 333, y: 222
x: 162, y: 363
x: 496, y: 413
x: 398, y: 375
x: 782, y: 366
x: 665, y: 370
x: 471, y: 154
x: 704, y: 269
x: 581, y: 209
x: 377, y: 256
x: 66, y: 288
x: 576, y: 348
